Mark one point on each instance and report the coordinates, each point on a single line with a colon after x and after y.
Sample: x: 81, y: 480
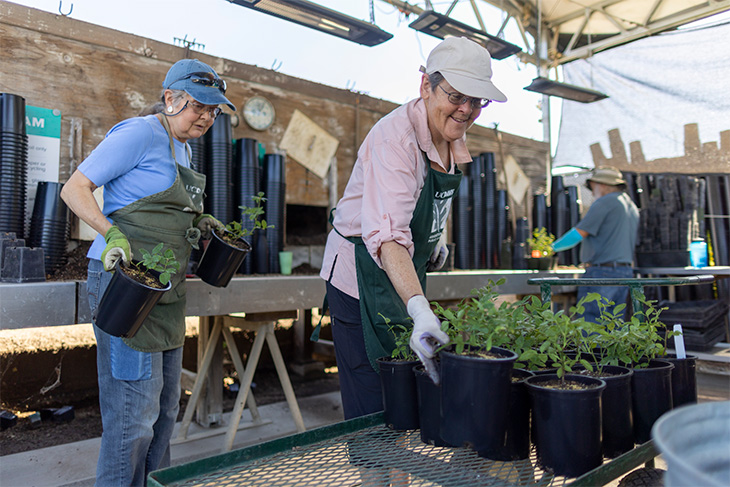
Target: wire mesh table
x: 364, y: 451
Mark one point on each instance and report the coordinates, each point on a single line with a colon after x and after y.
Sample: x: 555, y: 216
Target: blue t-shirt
x: 132, y: 162
x: 612, y: 223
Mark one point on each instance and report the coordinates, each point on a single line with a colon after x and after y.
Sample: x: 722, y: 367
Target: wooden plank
x: 241, y: 321
x: 210, y: 408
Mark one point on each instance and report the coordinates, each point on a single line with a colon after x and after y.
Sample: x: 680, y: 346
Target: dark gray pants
x: 359, y: 383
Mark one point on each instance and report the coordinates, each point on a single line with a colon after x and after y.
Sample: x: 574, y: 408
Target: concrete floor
x: 74, y: 464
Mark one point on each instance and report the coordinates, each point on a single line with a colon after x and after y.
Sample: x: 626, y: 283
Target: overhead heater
x: 320, y: 18
x: 442, y: 26
x: 564, y: 90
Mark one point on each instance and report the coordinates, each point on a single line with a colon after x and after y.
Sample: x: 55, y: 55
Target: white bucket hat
x: 467, y: 67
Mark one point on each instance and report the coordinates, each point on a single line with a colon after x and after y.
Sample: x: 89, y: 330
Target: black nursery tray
x: 702, y: 340
x: 346, y: 453
x: 693, y: 314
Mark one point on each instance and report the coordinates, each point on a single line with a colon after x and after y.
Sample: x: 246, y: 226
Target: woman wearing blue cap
x: 151, y: 195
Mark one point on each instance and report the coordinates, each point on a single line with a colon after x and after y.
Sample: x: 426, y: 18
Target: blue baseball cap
x: 198, y: 80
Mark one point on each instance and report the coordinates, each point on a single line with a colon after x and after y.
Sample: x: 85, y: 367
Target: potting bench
x: 363, y: 451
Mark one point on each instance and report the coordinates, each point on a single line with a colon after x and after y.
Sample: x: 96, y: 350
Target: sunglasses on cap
x: 205, y: 79
x: 459, y: 99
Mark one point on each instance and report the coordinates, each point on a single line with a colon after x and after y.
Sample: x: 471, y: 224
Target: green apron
x: 377, y: 294
x: 165, y: 217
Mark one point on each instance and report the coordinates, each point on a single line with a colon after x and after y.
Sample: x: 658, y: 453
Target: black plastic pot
x: 548, y: 371
x: 12, y: 113
x: 541, y: 263
x: 260, y: 252
x: 400, y: 399
x: 617, y: 416
x: 568, y: 424
x: 516, y: 444
x: 475, y: 399
x: 126, y: 303
x: 618, y: 419
x: 220, y: 261
x: 684, y: 379
x: 49, y: 226
x: 651, y: 396
x: 429, y: 407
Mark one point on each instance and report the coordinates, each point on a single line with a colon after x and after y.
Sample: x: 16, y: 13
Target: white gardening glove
x: 439, y: 254
x: 427, y: 334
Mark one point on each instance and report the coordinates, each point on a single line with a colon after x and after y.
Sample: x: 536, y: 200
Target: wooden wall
x: 98, y: 76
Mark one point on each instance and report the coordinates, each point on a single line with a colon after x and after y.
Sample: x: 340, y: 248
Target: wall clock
x: 259, y: 113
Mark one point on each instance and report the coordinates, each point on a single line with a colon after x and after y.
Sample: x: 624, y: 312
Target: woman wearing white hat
x: 608, y: 232
x: 388, y: 225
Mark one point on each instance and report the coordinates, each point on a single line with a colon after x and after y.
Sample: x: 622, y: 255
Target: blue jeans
x: 359, y: 384
x: 617, y: 294
x: 139, y: 397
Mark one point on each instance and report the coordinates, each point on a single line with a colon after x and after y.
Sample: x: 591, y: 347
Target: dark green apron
x: 165, y: 217
x: 377, y: 294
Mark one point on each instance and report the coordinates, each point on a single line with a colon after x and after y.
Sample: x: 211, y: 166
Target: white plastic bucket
x: 695, y: 443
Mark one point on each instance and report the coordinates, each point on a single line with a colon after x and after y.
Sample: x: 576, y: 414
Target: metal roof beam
x: 680, y: 18
x: 478, y: 15
x: 596, y: 7
x: 652, y: 11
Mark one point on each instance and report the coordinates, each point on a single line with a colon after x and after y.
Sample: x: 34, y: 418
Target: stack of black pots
x: 49, y: 224
x: 481, y: 225
x: 13, y: 163
x: 491, y: 238
x: 573, y: 195
x: 520, y: 247
x: 461, y: 225
x: 540, y: 213
x: 247, y: 172
x: 219, y: 169
x: 479, y: 257
x: 275, y: 189
x: 560, y: 213
x: 504, y: 232
x: 197, y: 163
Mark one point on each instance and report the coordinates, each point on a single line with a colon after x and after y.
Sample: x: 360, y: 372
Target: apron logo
x: 193, y: 191
x: 441, y: 210
x: 442, y: 195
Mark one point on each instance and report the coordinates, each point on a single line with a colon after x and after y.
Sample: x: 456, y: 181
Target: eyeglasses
x: 200, y: 109
x: 205, y: 79
x: 459, y: 99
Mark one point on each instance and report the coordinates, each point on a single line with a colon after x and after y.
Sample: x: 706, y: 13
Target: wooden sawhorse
x: 263, y: 332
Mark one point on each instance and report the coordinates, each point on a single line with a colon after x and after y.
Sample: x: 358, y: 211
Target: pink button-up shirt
x: 383, y: 189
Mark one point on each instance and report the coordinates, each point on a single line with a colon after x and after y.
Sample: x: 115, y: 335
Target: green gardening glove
x: 117, y: 247
x: 206, y: 223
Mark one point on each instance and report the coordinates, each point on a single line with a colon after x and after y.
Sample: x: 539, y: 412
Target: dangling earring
x: 169, y: 109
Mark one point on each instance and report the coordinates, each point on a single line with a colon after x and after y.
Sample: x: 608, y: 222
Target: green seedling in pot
x: 162, y: 262
x: 634, y: 342
x: 254, y: 214
x: 478, y: 323
x: 563, y: 336
x: 402, y: 334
